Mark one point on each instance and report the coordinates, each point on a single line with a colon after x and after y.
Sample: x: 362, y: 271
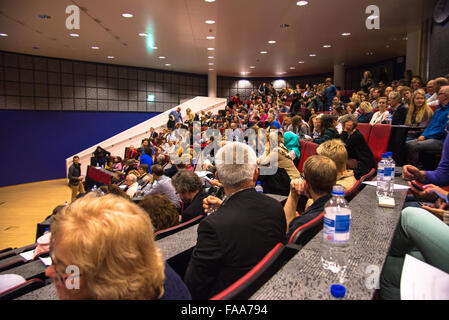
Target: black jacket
x: 195, y: 208
x: 233, y: 240
x: 358, y: 149
x: 74, y: 174
x: 328, y: 134
x: 399, y: 115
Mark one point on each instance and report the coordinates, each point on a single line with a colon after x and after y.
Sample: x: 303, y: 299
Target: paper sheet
x: 8, y: 281
x: 29, y: 255
x: 421, y: 281
x: 396, y: 186
x: 46, y: 261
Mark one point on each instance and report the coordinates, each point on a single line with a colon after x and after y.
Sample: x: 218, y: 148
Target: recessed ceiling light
x: 263, y: 52
x: 161, y: 57
x: 127, y: 15
x: 211, y: 49
x: 167, y: 64
x: 302, y: 3
x: 252, y: 67
x: 95, y: 48
x: 327, y: 46
x: 210, y: 57
x: 211, y: 63
x: 292, y: 68
x: 143, y: 34
x: 210, y: 37
x: 74, y: 35
x: 209, y: 0
x: 245, y: 73
x: 345, y: 34
x: 271, y: 42
x: 155, y: 48
x: 110, y: 57
x: 210, y: 21
x: 312, y: 55
x: 3, y: 34
x: 281, y: 73
x: 211, y: 69
x: 300, y: 62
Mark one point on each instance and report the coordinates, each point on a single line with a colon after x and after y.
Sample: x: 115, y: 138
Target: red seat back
x: 378, y: 140
x: 365, y: 130
x: 281, y: 117
x: 308, y: 150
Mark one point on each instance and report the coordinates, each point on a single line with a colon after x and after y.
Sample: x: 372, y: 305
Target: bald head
x: 443, y: 95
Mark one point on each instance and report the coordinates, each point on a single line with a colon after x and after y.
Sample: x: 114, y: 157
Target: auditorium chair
x: 378, y: 140
x: 365, y: 130
x: 303, y: 234
x: 169, y: 231
x: 247, y: 285
x: 308, y: 150
x: 351, y: 193
x: 281, y: 117
x: 12, y: 263
x: 21, y: 289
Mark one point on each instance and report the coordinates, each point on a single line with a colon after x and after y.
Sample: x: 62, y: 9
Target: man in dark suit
x: 242, y: 230
x: 153, y: 134
x: 356, y: 146
x: 398, y: 109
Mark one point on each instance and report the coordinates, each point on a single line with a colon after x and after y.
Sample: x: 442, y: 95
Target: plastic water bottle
x: 94, y: 189
x: 336, y: 235
x: 259, y: 187
x: 139, y: 191
x: 384, y: 177
x: 392, y: 166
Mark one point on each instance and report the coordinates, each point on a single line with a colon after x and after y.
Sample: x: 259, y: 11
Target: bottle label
x: 337, y: 228
x: 387, y: 172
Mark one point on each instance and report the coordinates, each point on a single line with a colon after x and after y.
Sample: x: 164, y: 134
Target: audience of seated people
x: 162, y: 212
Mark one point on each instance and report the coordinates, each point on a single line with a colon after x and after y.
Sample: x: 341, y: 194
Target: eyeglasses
x: 60, y: 277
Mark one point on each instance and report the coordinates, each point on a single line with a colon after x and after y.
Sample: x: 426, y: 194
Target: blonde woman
x: 104, y: 246
x: 381, y: 115
x: 419, y: 114
x: 366, y: 112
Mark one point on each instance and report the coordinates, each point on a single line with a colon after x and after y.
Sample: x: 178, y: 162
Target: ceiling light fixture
x: 252, y: 67
x: 210, y: 57
x: 211, y: 49
x: 209, y: 0
x: 74, y: 35
x: 312, y: 55
x: 95, y: 48
x: 127, y: 15
x: 302, y: 3
x: 3, y: 34
x: 263, y: 52
x: 211, y: 69
x: 210, y: 37
x: 167, y: 64
x: 292, y: 68
x: 345, y: 34
x: 142, y: 34
x: 271, y: 42
x: 110, y: 57
x: 301, y: 62
x: 327, y: 46
x: 161, y: 57
x: 211, y: 63
x: 155, y: 48
x: 210, y: 21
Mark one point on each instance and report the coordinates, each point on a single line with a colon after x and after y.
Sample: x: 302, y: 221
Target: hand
x: 422, y: 195
x: 410, y: 172
x: 437, y: 212
x: 421, y: 138
x: 432, y: 189
x: 80, y: 178
x: 211, y: 204
x: 297, y: 188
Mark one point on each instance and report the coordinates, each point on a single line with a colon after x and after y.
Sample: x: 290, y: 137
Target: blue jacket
x: 435, y: 130
x: 146, y: 159
x: 440, y: 176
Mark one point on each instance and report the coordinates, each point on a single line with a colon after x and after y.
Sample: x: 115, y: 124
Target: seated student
x: 118, y: 164
x: 291, y: 142
x: 161, y: 184
x: 380, y: 116
x: 144, y: 174
x: 357, y: 147
x: 131, y: 153
x: 146, y: 157
x: 242, y: 230
x: 366, y: 112
x: 419, y: 114
x: 100, y: 156
x: 433, y: 137
x: 189, y: 187
x: 418, y: 229
x: 398, y: 109
x: 277, y: 157
x: 120, y: 262
x: 336, y: 151
x: 319, y: 176
x: 327, y: 131
x: 162, y: 212
x: 131, y: 185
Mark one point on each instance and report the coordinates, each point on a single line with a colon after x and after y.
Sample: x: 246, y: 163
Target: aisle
x: 25, y: 205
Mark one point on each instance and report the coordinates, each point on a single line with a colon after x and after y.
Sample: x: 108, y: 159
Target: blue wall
x: 35, y: 144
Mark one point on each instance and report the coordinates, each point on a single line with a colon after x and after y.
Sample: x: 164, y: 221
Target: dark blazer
x: 232, y: 240
x: 328, y: 134
x: 399, y: 115
x: 358, y: 149
x: 195, y: 208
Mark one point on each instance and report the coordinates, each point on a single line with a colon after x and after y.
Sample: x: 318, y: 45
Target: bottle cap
x: 338, y: 291
x: 258, y: 183
x: 338, y: 190
x: 384, y: 155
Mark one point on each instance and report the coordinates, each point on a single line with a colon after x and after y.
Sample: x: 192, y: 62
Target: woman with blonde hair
x: 419, y: 114
x: 366, y: 112
x: 299, y: 128
x: 102, y: 248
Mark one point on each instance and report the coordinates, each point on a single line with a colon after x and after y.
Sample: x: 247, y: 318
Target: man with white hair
x: 242, y: 230
x: 132, y: 185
